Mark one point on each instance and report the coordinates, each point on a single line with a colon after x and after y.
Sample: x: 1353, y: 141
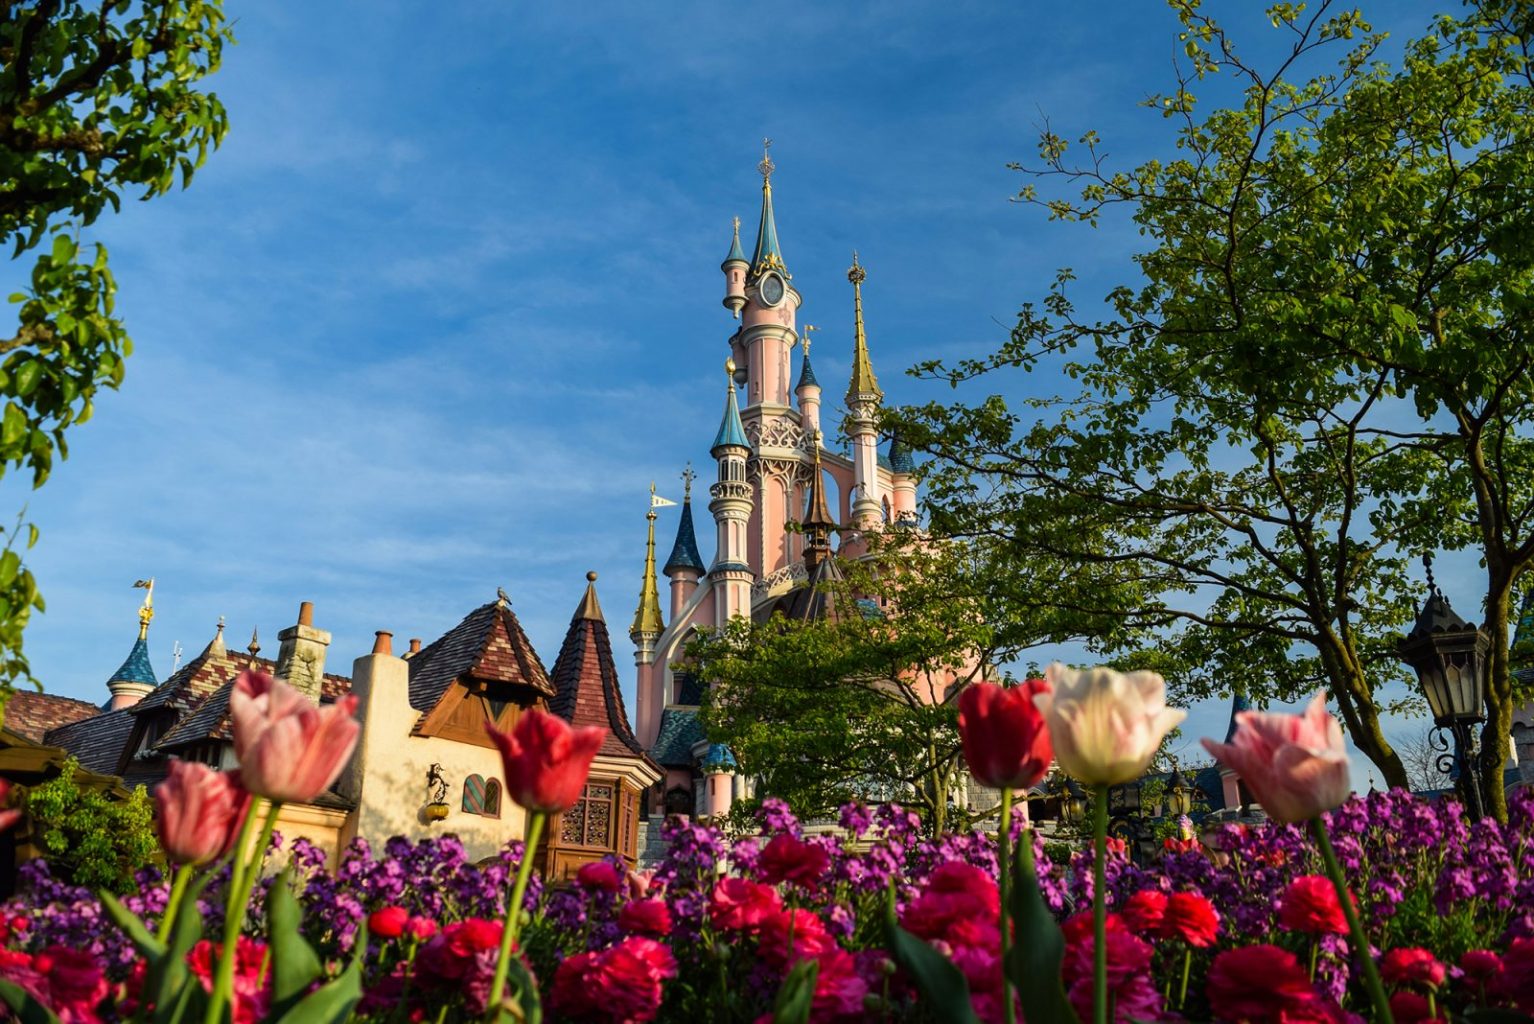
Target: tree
x: 1276, y: 417
x: 95, y: 100
x: 90, y: 837
x: 863, y: 704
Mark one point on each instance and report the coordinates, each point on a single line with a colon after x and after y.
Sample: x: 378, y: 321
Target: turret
x: 808, y: 390
x: 767, y: 330
x: 863, y: 398
x: 731, y: 506
x: 685, y: 566
x: 134, y: 680
x: 735, y: 267
x: 903, y: 474
x: 648, y: 625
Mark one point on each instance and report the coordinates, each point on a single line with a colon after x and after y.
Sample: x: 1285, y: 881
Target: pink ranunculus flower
x: 1106, y: 726
x: 1295, y: 765
x: 290, y: 751
x: 12, y: 816
x: 546, y: 760
x: 200, y: 812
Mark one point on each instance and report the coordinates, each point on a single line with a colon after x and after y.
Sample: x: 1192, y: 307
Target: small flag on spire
x: 656, y: 501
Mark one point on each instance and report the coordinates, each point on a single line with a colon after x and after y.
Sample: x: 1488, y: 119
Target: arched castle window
x: 482, y: 796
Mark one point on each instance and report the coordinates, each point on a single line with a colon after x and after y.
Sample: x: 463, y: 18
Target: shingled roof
x: 488, y: 646
x: 31, y: 715
x: 209, y: 719
x: 680, y: 731
x: 586, y: 681
x: 97, y: 741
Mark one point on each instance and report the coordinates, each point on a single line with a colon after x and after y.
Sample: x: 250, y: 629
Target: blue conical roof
x: 1238, y: 704
x: 806, y: 373
x: 731, y: 431
x: 900, y: 457
x: 137, y: 668
x: 767, y: 256
x: 718, y: 756
x: 684, y: 553
x: 737, y: 254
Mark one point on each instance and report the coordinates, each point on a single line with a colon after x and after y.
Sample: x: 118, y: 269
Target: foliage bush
x: 89, y: 838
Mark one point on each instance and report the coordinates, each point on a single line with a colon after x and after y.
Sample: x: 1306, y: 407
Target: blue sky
x: 447, y: 300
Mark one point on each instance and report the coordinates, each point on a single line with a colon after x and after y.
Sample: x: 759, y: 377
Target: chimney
x: 383, y: 642
x: 301, y: 654
x: 415, y: 646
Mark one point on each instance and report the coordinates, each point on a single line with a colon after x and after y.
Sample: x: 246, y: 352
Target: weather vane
x: 688, y: 476
x: 808, y: 329
x: 766, y: 167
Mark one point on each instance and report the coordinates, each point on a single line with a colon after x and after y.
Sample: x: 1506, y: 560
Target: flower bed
x: 710, y: 934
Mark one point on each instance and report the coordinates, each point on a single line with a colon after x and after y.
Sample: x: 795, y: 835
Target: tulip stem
x: 1100, y: 905
x: 1364, y: 951
x: 514, y: 914
x: 173, y: 902
x: 1004, y: 850
x: 241, y: 883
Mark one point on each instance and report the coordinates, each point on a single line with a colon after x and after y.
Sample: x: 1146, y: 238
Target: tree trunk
x: 1355, y: 700
x: 1496, y: 735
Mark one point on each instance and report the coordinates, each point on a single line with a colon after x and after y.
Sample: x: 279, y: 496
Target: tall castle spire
x: 818, y: 523
x: 731, y: 506
x: 863, y: 398
x: 863, y: 384
x: 767, y: 256
x: 648, y: 625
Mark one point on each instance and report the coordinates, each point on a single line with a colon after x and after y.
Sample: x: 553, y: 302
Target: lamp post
x: 1179, y: 795
x: 1449, y: 656
x: 1073, y: 802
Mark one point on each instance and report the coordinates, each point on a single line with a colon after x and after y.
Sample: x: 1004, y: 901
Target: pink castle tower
x: 768, y: 454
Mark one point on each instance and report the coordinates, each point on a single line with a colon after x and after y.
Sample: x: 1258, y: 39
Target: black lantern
x: 1449, y: 656
x: 1073, y: 802
x: 1179, y: 795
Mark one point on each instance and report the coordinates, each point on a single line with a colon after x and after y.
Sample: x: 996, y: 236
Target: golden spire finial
x: 863, y: 382
x: 254, y: 647
x: 146, y: 612
x: 766, y: 167
x: 651, y: 514
x: 647, y: 618
x: 737, y: 227
x: 688, y: 476
x: 808, y: 329
x: 729, y: 372
x: 856, y: 274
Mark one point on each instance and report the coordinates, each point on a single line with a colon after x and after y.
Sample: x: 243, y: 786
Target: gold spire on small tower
x: 766, y: 167
x: 146, y: 612
x: 863, y: 382
x: 254, y: 647
x: 647, y: 618
x: 805, y: 341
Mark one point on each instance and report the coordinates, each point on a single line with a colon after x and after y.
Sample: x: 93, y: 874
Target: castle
x: 424, y: 758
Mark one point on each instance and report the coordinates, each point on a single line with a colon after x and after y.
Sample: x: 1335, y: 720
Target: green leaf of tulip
x: 943, y: 989
x: 151, y: 948
x: 331, y: 1003
x: 26, y: 1009
x: 167, y: 981
x: 796, y: 995
x: 295, y: 965
x: 1033, y: 962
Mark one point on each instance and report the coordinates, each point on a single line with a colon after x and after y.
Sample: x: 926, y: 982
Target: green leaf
x: 796, y: 996
x: 1033, y: 962
x: 13, y: 426
x: 295, y: 965
x: 522, y: 990
x: 148, y: 946
x: 331, y: 1003
x: 943, y: 989
x: 26, y: 1009
x: 168, y: 982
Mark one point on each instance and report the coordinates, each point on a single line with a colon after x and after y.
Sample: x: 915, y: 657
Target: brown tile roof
x: 32, y: 714
x: 97, y: 741
x: 489, y: 646
x: 586, y: 681
x: 209, y: 719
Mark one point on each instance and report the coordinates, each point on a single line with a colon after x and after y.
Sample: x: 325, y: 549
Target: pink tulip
x: 12, y: 816
x: 1295, y: 765
x: 200, y: 812
x: 1005, y: 742
x: 546, y: 761
x: 289, y: 749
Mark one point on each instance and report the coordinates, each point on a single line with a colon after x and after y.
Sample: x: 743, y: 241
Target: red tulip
x: 388, y: 923
x: 1190, y: 917
x: 290, y: 751
x: 546, y: 761
x: 200, y: 812
x: 1005, y: 741
x: 1295, y: 765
